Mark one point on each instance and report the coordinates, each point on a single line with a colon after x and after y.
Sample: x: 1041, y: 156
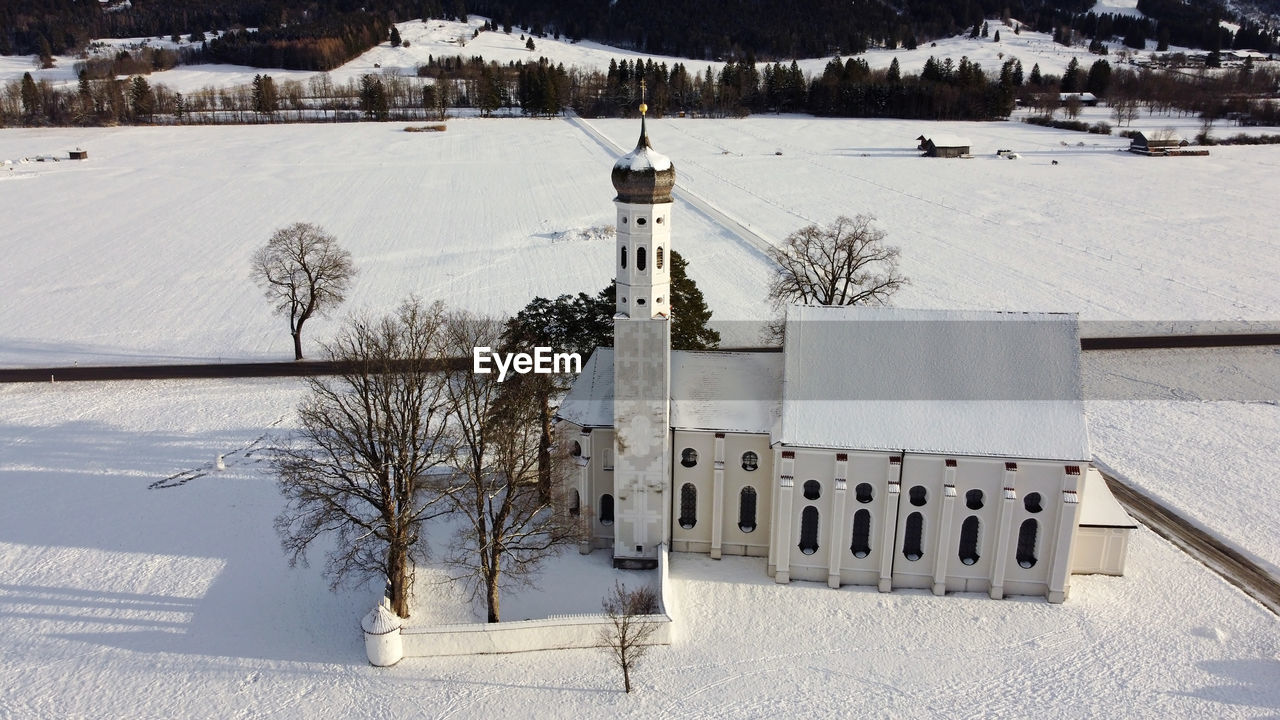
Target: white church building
x: 932, y: 449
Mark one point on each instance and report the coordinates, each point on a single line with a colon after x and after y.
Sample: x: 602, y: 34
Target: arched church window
x: 809, y: 530
x: 969, y: 540
x: 919, y: 496
x: 689, y: 457
x: 577, y: 449
x: 750, y: 461
x: 624, y: 257
x: 688, y: 506
x: 606, y: 509
x: 1027, y: 534
x: 912, y: 544
x: 861, y: 546
x: 575, y: 503
x: 747, y: 509
x: 657, y: 254
x: 812, y: 489
x: 640, y: 258
x: 973, y: 499
x: 1032, y: 503
x: 863, y: 492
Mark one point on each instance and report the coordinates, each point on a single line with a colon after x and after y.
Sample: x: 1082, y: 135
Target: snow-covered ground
x: 141, y: 253
x: 1197, y: 430
x: 126, y: 592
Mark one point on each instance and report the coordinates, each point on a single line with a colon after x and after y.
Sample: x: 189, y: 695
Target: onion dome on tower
x: 644, y: 175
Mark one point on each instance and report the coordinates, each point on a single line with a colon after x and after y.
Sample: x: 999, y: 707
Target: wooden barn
x: 79, y: 154
x: 1156, y: 142
x: 943, y: 146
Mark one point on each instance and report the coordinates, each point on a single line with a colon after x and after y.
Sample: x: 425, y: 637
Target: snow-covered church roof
x: 710, y: 390
x: 934, y: 381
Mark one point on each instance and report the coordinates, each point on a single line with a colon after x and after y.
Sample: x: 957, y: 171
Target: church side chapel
x: 898, y: 448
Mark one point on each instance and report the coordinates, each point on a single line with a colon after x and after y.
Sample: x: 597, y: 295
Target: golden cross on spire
x: 643, y: 108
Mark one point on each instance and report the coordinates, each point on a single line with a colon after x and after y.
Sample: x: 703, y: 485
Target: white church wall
x: 693, y: 463
x: 1042, y: 479
x: 864, y: 469
x: 809, y: 557
x: 923, y: 476
x: 978, y: 490
x: 735, y: 541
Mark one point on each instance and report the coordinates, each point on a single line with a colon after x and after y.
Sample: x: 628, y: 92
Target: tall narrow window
x: 688, y: 506
x: 689, y: 457
x: 575, y: 503
x: 863, y: 493
x: 969, y: 540
x: 1027, y: 533
x: 973, y: 499
x: 1032, y: 503
x: 750, y: 461
x: 812, y: 489
x: 919, y: 496
x: 624, y: 257
x: 606, y: 509
x: 809, y: 530
x: 640, y: 258
x: 747, y: 509
x: 861, y: 546
x: 914, y: 541
x: 657, y: 254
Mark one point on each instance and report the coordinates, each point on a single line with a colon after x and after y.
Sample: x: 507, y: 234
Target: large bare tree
x: 629, y: 632
x: 367, y: 466
x: 510, y: 522
x: 844, y: 263
x: 303, y: 272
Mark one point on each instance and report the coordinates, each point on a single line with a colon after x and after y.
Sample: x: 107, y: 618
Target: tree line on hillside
x: 942, y: 90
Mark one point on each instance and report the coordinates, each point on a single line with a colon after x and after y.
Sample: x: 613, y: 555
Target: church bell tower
x: 642, y: 354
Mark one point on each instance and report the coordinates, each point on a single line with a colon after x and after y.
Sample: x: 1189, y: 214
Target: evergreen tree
x: 395, y: 36
x: 1035, y: 78
x: 1099, y: 78
x: 529, y: 44
x: 689, y: 311
x: 1071, y: 79
x: 894, y: 74
x: 30, y: 96
x: 142, y: 101
x: 997, y: 36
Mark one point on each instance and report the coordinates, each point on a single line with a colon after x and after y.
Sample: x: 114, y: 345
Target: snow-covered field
x: 141, y: 253
x: 128, y: 593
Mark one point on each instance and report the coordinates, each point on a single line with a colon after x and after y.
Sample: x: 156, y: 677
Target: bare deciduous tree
x: 366, y: 466
x: 844, y: 263
x: 303, y: 272
x: 628, y: 634
x: 509, y: 524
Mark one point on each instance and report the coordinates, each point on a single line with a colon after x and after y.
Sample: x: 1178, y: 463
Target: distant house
x: 79, y: 154
x: 943, y: 146
x: 1085, y: 98
x: 1156, y: 142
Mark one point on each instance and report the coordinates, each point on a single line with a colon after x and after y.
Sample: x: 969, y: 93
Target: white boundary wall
x: 558, y: 632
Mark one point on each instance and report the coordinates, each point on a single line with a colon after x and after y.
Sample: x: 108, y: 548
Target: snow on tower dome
x: 644, y: 175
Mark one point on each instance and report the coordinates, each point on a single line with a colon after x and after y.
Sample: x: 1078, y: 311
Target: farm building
x: 1156, y: 142
x: 1085, y: 98
x: 943, y: 146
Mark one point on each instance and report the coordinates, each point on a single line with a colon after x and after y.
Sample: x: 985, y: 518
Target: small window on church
x: 641, y: 258
x: 1027, y: 533
x: 657, y: 254
x: 575, y: 504
x: 658, y: 301
x: 640, y: 221
x: 919, y: 496
x: 863, y: 493
x: 577, y: 449
x: 640, y: 301
x: 914, y: 542
x: 1032, y: 503
x: 688, y: 506
x: 747, y: 509
x: 861, y: 546
x: 973, y: 499
x: 809, y: 530
x: 659, y: 221
x: 750, y: 461
x: 812, y: 489
x: 624, y: 258
x: 606, y: 509
x: 689, y: 457
x: 969, y: 540
x: 624, y: 219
